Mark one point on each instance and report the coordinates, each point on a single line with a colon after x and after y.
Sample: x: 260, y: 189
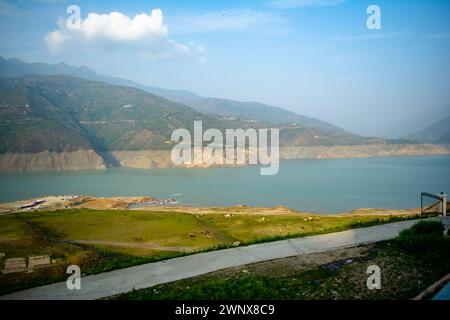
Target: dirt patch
x: 228, y: 211
x: 70, y: 202
x: 381, y: 212
x: 147, y: 245
x: 110, y: 203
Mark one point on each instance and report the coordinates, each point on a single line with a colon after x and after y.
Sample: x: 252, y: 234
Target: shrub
x: 426, y: 239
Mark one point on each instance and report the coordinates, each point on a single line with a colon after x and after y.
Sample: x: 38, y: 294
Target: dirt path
x: 146, y: 245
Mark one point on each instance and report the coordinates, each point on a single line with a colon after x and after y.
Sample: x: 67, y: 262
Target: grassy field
x: 99, y: 240
x: 406, y: 270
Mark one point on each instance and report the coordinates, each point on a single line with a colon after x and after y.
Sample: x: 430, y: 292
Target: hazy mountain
x: 214, y: 106
x: 63, y: 113
x: 438, y: 132
x: 55, y: 122
x: 17, y: 68
x: 246, y: 110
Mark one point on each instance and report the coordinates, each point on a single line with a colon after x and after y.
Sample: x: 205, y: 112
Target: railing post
x: 444, y: 205
x: 421, y: 203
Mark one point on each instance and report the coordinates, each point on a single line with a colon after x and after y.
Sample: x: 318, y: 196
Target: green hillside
x: 60, y: 113
x: 213, y: 106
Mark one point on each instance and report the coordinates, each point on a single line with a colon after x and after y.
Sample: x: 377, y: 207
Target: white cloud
x: 372, y: 36
x: 294, y: 4
x: 166, y: 50
x: 172, y: 49
x: 118, y: 27
x: 56, y: 39
x: 228, y: 21
x: 146, y: 34
x: 114, y: 27
x: 199, y: 51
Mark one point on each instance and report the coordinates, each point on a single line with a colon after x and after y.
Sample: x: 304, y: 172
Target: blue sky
x: 314, y: 57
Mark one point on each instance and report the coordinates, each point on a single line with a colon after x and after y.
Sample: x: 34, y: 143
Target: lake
x: 322, y: 186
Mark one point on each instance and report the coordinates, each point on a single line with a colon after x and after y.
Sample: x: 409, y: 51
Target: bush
x: 426, y: 239
x: 426, y: 228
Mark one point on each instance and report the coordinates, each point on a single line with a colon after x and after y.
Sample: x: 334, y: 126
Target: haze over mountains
x: 55, y: 117
x: 64, y: 113
x: 438, y: 132
x: 215, y: 106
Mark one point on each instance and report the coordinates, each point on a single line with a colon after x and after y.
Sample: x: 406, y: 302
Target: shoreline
x: 149, y: 159
x: 73, y: 202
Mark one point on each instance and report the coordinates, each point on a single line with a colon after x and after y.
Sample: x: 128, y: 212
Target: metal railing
x: 441, y: 202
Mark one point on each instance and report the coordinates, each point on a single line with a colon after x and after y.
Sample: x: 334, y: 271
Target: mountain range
x: 64, y: 113
x: 226, y: 108
x: 438, y: 132
x: 56, y: 117
x: 214, y: 106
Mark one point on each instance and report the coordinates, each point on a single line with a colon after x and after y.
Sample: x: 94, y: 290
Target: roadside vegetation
x: 409, y: 264
x: 103, y: 240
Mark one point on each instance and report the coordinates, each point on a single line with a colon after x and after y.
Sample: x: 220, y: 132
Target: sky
x: 313, y: 57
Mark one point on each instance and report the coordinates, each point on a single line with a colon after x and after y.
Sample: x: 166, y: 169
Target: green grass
x: 11, y: 227
x: 405, y: 272
x: 164, y: 228
x: 46, y: 233
x: 252, y: 229
x: 40, y: 240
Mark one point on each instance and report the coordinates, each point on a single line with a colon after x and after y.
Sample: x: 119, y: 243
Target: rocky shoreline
x: 147, y: 159
x: 148, y: 203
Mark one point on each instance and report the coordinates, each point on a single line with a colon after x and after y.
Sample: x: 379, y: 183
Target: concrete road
x: 152, y: 274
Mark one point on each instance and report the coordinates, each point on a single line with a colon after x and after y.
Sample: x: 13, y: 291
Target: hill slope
x: 214, y: 106
x: 438, y: 132
x: 61, y: 113
x: 246, y: 110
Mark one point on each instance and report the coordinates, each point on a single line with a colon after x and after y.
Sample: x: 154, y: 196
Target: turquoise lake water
x: 322, y: 186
